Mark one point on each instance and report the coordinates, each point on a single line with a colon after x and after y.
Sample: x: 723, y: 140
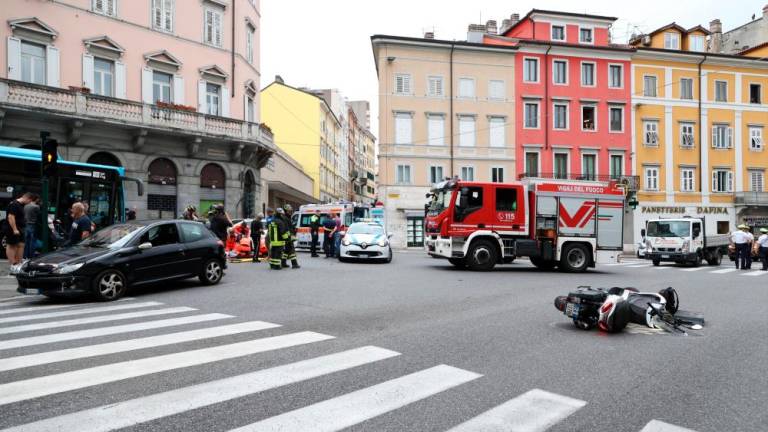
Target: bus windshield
x: 669, y: 229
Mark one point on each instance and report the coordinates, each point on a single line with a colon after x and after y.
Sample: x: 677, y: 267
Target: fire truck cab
x: 566, y: 224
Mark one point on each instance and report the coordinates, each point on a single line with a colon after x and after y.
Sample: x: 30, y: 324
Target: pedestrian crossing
x: 536, y: 410
x: 704, y: 269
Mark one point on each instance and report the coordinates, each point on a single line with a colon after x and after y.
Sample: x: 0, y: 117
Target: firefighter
x: 289, y: 251
x: 277, y: 232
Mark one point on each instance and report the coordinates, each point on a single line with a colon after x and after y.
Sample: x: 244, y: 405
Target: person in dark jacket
x: 329, y: 226
x: 314, y: 231
x: 256, y: 230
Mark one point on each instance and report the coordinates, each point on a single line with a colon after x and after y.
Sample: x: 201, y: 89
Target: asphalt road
x: 504, y: 342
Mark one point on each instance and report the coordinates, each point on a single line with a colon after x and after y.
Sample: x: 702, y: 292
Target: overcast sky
x: 326, y: 44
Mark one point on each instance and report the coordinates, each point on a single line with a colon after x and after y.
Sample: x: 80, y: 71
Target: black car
x: 130, y: 254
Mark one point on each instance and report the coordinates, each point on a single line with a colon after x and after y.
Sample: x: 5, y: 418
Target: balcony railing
x: 751, y: 198
x: 632, y: 182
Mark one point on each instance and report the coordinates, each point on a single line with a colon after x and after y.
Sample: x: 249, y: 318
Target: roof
x: 754, y: 48
x: 445, y: 42
x: 674, y: 26
x: 739, y: 56
x: 561, y: 13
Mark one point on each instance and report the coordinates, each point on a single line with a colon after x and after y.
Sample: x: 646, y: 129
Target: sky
x: 326, y: 44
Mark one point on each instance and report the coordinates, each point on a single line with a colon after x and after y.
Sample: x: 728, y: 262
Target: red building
x: 572, y: 96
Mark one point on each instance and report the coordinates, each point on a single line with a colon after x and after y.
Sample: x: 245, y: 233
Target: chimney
x: 765, y: 14
x: 475, y: 33
x: 279, y: 79
x: 716, y: 38
x: 429, y: 35
x: 504, y: 24
x: 514, y: 18
x: 491, y: 27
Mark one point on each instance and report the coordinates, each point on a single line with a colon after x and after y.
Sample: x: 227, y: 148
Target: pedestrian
x: 31, y: 216
x: 15, y: 228
x: 289, y: 249
x: 762, y: 243
x: 256, y: 230
x: 314, y: 232
x: 337, y: 236
x: 328, y: 228
x: 750, y: 250
x: 190, y: 213
x: 277, y: 232
x: 131, y: 214
x: 740, y: 241
x: 81, y: 224
x: 220, y: 222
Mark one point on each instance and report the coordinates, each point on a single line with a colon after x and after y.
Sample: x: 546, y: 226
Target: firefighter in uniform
x: 314, y: 228
x: 276, y: 234
x: 289, y: 251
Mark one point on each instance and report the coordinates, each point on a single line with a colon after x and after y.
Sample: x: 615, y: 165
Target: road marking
x: 722, y: 271
x: 47, y: 385
x: 141, y: 410
x: 104, y: 331
x: 46, y: 307
x: 663, y: 267
x: 534, y: 411
x: 359, y: 406
x: 659, y: 426
x: 639, y: 266
x: 112, y: 308
x: 693, y: 269
x: 754, y: 273
x: 19, y: 362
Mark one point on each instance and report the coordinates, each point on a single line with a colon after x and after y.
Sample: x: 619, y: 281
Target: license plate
x: 665, y: 256
x: 32, y: 291
x: 570, y: 309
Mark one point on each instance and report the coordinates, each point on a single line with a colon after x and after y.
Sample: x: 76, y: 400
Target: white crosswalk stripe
x: 639, y: 266
x: 356, y: 407
x: 659, y: 426
x: 32, y: 317
x: 93, y: 320
x: 534, y: 411
x: 47, y: 307
x: 693, y: 269
x: 141, y: 410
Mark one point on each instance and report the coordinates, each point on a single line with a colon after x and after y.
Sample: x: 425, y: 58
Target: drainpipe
x: 701, y: 127
x: 545, y: 77
x: 232, y: 95
x: 450, y: 86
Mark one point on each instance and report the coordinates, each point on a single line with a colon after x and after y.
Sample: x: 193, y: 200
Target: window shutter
x: 168, y: 12
x: 52, y: 62
x: 224, y: 101
x: 245, y: 107
x: 88, y: 78
x: 729, y: 181
x: 146, y: 86
x: 436, y: 131
x: 217, y: 28
x: 714, y: 137
x: 497, y: 137
x: 120, y: 84
x: 157, y: 12
x: 178, y: 90
x: 201, y: 102
x: 111, y: 7
x: 14, y: 58
x: 714, y: 181
x: 729, y: 137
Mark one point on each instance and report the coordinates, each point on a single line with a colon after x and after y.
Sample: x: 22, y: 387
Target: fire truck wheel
x: 482, y: 255
x: 458, y: 262
x: 575, y: 259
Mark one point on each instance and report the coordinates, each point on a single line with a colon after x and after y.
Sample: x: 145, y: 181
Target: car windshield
x: 441, y: 199
x: 114, y: 236
x: 669, y: 229
x: 372, y: 229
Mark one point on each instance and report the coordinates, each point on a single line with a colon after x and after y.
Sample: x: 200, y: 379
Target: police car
x: 365, y: 241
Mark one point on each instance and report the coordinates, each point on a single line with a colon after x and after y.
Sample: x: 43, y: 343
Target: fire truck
x: 567, y: 224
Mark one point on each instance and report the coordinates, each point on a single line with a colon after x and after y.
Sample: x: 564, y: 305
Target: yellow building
x: 306, y: 128
x: 716, y: 171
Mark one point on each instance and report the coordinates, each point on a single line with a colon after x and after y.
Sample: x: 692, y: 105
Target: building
x: 445, y: 110
x: 743, y: 37
x: 169, y: 93
x: 362, y: 154
x: 284, y: 181
x: 698, y: 130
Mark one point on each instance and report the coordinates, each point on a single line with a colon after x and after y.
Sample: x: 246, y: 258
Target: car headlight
x: 68, y: 268
x: 346, y: 242
x: 382, y: 242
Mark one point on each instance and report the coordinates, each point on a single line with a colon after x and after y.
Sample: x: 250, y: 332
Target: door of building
x: 415, y: 231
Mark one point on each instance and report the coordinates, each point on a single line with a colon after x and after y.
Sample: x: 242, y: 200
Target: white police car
x: 365, y: 241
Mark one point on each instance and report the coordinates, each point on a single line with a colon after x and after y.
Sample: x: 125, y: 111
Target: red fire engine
x: 568, y: 224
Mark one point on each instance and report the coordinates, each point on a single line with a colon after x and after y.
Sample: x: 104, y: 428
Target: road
x: 410, y: 346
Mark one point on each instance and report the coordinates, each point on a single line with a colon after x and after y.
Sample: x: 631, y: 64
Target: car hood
x: 368, y: 239
x: 70, y: 255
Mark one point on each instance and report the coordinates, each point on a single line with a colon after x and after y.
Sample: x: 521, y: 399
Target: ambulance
x: 349, y: 212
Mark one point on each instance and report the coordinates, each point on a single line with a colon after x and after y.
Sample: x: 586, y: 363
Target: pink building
x: 166, y: 88
x: 572, y: 96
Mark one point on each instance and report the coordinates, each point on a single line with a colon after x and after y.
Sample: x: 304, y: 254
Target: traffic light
x: 50, y: 157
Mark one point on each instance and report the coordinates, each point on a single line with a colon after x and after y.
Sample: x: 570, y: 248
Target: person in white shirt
x: 742, y: 241
x: 762, y: 243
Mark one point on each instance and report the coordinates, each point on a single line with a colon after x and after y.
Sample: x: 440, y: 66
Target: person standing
x: 740, y: 240
x: 31, y: 216
x: 314, y: 232
x: 328, y: 228
x: 751, y: 242
x: 14, y: 236
x: 256, y: 229
x: 762, y: 243
x: 289, y: 249
x: 81, y: 224
x: 220, y: 223
x: 277, y: 231
x: 337, y: 236
x: 190, y: 213
x: 131, y: 214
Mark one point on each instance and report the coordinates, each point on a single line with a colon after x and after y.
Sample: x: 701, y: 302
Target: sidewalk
x: 7, y: 283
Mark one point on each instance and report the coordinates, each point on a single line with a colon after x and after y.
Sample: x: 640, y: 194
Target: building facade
x: 169, y: 93
x: 284, y: 181
x: 365, y: 153
x: 745, y: 36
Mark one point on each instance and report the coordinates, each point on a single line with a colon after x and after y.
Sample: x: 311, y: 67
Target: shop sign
x: 682, y: 210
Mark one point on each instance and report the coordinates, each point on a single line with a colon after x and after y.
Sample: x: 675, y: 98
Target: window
x: 722, y: 136
x: 531, y: 70
x: 497, y: 175
x: 585, y: 35
x: 588, y: 74
x: 721, y: 91
x: 588, y: 118
x: 193, y: 232
x: 161, y: 235
x: 250, y: 110
x: 754, y: 93
x: 402, y: 84
x: 497, y: 136
x: 435, y: 86
x: 561, y: 165
x: 686, y: 88
x: 697, y: 43
x: 33, y: 63
x: 651, y: 133
x: 722, y: 181
x: 561, y: 116
x: 466, y: 131
x: 103, y: 77
x: 506, y: 200
x: 414, y: 232
x: 589, y: 166
x: 652, y: 178
x: 615, y: 76
x: 756, y: 181
x: 468, y: 173
x: 496, y: 90
x: 560, y: 72
x: 213, y: 31
x: 672, y: 41
x: 466, y: 87
x: 755, y: 138
x: 161, y: 87
x: 213, y: 99
x: 436, y: 130
x: 250, y: 33
x: 435, y: 174
x: 687, y: 180
x: 532, y: 164
x: 617, y: 166
x: 687, y: 139
x: 558, y: 33
x: 162, y: 15
x: 617, y: 119
x: 649, y: 86
x: 104, y: 7
x: 403, y: 128
x: 531, y: 120
x: 403, y: 174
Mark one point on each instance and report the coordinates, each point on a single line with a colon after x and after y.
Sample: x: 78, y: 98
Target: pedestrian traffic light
x: 50, y: 157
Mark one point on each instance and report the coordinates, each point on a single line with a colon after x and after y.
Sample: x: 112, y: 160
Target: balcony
x: 751, y: 198
x: 632, y: 182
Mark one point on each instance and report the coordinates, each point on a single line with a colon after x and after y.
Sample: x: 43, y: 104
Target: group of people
x: 745, y: 246
x: 331, y: 235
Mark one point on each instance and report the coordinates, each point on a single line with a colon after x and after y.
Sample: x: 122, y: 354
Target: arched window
x: 104, y: 158
x: 213, y: 182
x: 162, y: 171
x: 249, y: 197
x: 161, y: 191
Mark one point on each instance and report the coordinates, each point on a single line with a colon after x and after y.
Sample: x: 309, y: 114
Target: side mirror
x: 145, y: 246
x: 389, y: 236
x: 642, y: 232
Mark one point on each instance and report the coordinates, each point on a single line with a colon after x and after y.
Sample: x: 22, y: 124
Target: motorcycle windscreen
x: 610, y: 224
x: 576, y: 217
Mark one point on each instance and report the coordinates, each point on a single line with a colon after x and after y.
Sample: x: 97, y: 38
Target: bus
x: 100, y: 186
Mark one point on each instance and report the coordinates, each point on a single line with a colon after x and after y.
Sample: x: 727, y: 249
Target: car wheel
x: 109, y: 285
x: 575, y: 259
x: 212, y: 272
x: 482, y: 256
x: 3, y: 244
x: 656, y: 263
x: 389, y: 258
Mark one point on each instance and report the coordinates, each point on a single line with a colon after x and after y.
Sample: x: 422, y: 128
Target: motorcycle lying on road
x: 612, y: 309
